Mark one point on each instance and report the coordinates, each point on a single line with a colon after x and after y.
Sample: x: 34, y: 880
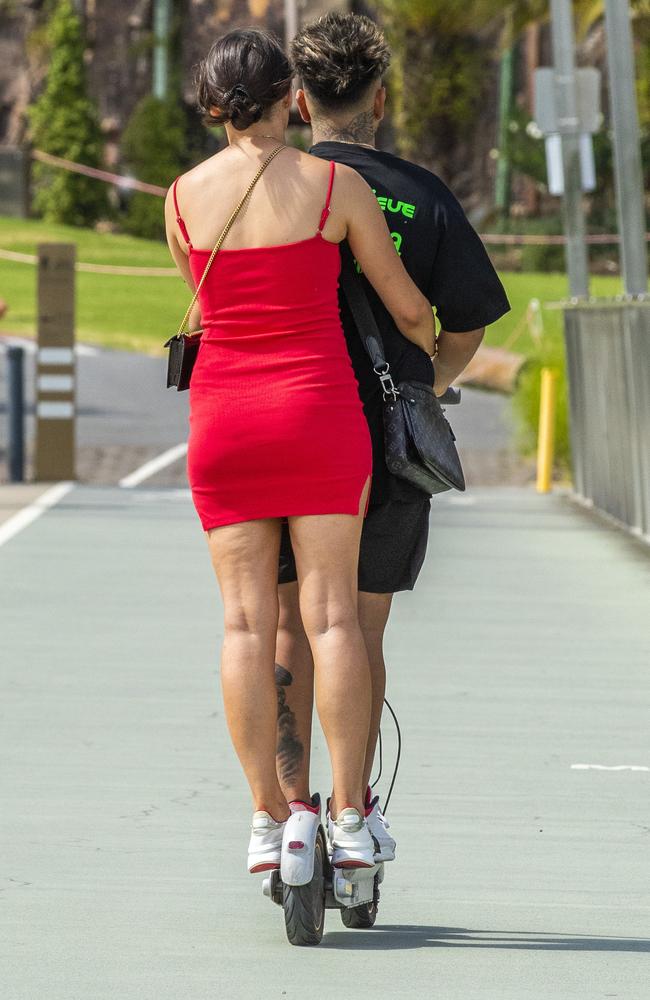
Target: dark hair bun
x: 243, y: 110
x: 244, y: 74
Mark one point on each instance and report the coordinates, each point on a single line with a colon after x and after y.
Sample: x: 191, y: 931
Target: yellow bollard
x: 546, y: 434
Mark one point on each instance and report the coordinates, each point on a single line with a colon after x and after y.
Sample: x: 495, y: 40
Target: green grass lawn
x: 140, y: 313
x: 133, y: 313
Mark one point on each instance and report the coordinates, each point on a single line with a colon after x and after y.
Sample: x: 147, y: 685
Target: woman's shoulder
x: 310, y: 167
x: 196, y: 175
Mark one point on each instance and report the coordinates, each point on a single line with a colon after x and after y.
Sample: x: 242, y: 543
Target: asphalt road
x: 519, y: 671
x: 126, y: 417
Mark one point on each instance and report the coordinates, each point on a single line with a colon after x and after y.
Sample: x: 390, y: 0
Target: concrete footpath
x: 519, y: 670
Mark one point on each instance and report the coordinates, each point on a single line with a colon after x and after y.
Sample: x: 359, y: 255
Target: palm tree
x: 445, y: 56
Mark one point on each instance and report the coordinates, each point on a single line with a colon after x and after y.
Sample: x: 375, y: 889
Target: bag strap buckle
x: 387, y: 385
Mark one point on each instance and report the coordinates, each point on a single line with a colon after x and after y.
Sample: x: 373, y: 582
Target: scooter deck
x: 351, y: 886
x: 343, y: 887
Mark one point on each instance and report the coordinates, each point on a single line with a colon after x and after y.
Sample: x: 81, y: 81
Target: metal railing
x: 608, y: 368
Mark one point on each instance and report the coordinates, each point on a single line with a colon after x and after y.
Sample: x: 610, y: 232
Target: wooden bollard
x: 55, y: 369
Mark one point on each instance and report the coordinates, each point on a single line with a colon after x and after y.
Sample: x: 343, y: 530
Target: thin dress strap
x: 179, y: 218
x: 326, y: 210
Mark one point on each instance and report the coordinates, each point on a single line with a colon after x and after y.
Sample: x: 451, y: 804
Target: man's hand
x: 455, y: 351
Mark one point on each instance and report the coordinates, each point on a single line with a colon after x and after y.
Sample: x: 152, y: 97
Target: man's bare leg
x: 374, y: 610
x: 294, y: 675
x: 294, y: 680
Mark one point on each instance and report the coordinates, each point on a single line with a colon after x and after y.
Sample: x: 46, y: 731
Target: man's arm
x: 464, y: 287
x: 455, y: 351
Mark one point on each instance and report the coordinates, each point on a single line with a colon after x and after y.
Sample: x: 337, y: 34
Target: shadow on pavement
x: 406, y: 936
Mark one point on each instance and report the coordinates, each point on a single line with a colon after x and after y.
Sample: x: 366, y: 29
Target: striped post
x: 55, y: 369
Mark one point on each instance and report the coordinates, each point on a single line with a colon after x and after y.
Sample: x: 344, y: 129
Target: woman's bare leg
x: 326, y: 548
x: 245, y: 559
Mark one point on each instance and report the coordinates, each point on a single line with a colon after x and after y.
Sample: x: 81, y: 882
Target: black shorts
x: 393, y: 546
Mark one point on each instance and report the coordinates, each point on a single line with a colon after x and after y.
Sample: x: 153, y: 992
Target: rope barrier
x: 531, y: 239
x: 119, y: 180
x: 124, y: 270
x: 491, y: 239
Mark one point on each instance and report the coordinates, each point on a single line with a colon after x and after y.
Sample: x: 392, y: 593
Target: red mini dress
x: 276, y: 424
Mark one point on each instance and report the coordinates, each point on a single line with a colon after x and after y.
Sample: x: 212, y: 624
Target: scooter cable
x: 397, y: 759
x: 381, y: 761
x: 381, y: 756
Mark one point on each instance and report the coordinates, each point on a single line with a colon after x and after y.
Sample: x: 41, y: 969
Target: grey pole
x: 565, y: 82
x: 161, y: 22
x: 627, y: 152
x: 16, y: 413
x: 290, y: 22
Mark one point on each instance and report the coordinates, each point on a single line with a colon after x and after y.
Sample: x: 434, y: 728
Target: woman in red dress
x: 276, y: 425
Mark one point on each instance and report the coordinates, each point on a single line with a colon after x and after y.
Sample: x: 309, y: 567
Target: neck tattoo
x: 360, y: 130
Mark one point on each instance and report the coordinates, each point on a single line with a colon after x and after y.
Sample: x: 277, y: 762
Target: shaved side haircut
x: 338, y: 57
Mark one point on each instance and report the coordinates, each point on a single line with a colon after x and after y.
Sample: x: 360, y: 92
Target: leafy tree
x: 64, y: 122
x: 155, y: 149
x: 443, y: 60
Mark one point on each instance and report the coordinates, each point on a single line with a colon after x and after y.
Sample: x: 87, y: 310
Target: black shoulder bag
x: 420, y: 444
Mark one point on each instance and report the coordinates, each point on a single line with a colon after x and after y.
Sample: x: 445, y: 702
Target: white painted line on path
x: 33, y: 511
x: 609, y: 767
x: 527, y: 903
x: 155, y: 465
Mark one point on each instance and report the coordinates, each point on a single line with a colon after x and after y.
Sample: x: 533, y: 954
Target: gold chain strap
x: 226, y: 230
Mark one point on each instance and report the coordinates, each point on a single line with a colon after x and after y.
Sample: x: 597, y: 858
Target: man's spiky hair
x: 338, y: 56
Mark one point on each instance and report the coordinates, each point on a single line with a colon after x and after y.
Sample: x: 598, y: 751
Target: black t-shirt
x: 447, y: 261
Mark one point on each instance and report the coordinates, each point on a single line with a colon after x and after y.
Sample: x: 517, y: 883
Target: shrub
x: 540, y: 256
x: 550, y: 354
x: 64, y: 122
x: 155, y: 150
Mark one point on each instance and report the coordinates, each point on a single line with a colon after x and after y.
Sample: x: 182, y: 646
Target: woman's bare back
x: 284, y: 207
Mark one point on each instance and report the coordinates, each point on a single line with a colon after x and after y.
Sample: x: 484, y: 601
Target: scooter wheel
x: 364, y: 916
x: 304, y: 905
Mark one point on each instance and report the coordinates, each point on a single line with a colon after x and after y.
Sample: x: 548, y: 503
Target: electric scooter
x: 306, y: 884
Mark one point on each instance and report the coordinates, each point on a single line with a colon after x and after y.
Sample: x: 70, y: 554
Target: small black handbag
x: 183, y: 351
x: 184, y: 345
x: 419, y: 442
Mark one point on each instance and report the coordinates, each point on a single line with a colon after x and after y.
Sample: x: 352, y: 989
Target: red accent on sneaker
x: 368, y: 798
x: 369, y: 806
x: 296, y: 845
x: 297, y: 805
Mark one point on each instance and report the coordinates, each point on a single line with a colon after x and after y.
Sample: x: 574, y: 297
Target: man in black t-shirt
x: 341, y: 60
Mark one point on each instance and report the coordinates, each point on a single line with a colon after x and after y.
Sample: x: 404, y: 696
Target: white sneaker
x: 350, y: 842
x: 265, y: 847
x: 378, y: 827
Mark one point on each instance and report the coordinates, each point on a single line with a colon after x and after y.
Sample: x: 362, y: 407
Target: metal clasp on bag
x: 388, y: 386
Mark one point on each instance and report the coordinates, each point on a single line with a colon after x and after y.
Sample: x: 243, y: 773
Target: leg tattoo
x: 290, y: 750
